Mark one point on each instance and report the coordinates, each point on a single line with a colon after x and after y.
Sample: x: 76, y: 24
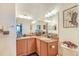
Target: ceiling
x: 36, y: 10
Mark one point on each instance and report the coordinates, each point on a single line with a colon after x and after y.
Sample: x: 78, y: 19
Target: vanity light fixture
x: 47, y: 21
x: 33, y: 22
x: 47, y: 15
x: 53, y: 12
x: 25, y: 17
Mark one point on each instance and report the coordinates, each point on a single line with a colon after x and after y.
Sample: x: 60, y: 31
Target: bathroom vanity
x: 36, y: 44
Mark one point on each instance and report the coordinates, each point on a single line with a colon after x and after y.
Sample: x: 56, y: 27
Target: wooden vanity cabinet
x: 31, y: 45
x: 38, y: 46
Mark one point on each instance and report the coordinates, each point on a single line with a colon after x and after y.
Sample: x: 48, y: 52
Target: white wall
x: 70, y: 34
x: 7, y: 19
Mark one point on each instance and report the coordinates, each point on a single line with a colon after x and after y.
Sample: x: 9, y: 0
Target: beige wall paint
x: 70, y: 34
x: 7, y: 19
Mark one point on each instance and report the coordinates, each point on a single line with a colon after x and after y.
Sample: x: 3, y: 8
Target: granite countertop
x: 45, y: 39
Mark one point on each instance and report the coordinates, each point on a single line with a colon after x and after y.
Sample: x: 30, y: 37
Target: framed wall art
x: 70, y: 17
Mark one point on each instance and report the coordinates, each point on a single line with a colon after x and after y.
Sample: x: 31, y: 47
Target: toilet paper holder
x: 4, y: 31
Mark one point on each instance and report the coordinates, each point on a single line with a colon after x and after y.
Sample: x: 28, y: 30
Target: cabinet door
x: 24, y: 47
x: 53, y: 48
x: 21, y: 47
x: 18, y: 47
x: 38, y: 46
x: 31, y: 45
x: 43, y: 48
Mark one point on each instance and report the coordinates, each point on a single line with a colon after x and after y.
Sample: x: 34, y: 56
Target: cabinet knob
x: 52, y: 46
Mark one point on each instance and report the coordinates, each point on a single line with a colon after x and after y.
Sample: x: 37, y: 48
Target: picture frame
x: 70, y: 17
